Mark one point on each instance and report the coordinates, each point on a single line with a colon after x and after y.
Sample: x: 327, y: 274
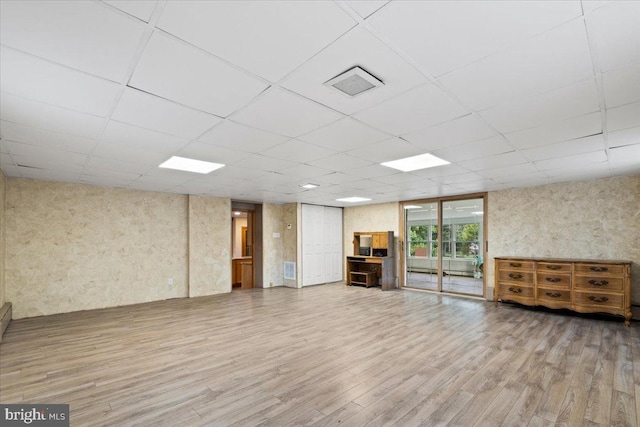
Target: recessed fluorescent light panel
x: 353, y: 199
x: 414, y: 163
x: 354, y: 82
x: 309, y: 186
x: 190, y: 165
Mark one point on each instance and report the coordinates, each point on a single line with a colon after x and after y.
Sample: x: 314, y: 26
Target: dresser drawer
x: 599, y: 299
x: 554, y: 267
x: 600, y: 269
x: 563, y: 295
x: 509, y: 291
x: 516, y: 276
x: 551, y: 279
x: 515, y: 265
x: 599, y: 282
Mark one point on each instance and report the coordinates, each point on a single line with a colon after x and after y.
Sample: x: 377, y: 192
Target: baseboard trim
x: 5, y: 318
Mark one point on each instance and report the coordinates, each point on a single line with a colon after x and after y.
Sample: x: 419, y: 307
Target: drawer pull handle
x: 515, y: 290
x: 515, y: 276
x: 599, y: 282
x: 553, y: 294
x: 552, y: 279
x: 599, y: 269
x: 515, y: 264
x: 554, y: 267
x: 598, y: 299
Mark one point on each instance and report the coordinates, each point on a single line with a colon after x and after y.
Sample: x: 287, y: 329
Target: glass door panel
x: 421, y: 246
x: 462, y: 244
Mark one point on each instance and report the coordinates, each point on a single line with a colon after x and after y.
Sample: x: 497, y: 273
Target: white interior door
x: 321, y: 244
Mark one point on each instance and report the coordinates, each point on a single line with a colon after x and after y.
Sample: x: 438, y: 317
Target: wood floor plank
x: 325, y: 355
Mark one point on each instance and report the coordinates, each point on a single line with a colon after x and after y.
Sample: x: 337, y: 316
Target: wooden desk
x: 371, y: 271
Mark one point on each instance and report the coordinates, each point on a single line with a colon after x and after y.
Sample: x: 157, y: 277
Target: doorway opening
x: 444, y: 245
x: 245, y: 254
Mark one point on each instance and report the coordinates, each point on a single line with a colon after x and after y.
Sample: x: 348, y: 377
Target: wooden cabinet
x: 373, y: 262
x: 585, y: 286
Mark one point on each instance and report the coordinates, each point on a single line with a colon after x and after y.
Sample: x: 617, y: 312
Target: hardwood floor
x: 326, y: 355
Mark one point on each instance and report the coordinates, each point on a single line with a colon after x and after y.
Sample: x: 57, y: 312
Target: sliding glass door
x: 444, y: 245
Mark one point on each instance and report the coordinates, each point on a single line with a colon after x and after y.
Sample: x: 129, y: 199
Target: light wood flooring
x: 326, y: 355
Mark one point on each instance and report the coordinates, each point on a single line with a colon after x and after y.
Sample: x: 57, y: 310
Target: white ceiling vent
x: 354, y: 82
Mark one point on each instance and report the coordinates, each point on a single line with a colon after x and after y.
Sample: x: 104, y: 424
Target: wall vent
x: 290, y: 270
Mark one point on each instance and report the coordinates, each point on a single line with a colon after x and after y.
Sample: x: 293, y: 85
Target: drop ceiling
x: 512, y: 94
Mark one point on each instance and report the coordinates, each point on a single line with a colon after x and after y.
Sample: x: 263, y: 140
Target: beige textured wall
x: 273, y: 253
x: 3, y: 180
x: 598, y: 219
x: 74, y: 247
x: 209, y: 245
x: 382, y: 217
x: 290, y: 240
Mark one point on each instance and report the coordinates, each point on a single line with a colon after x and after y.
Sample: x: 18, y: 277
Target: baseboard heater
x: 5, y: 318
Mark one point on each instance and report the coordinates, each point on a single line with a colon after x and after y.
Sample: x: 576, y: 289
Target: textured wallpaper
x: 209, y: 245
x: 290, y: 240
x: 2, y: 236
x: 598, y: 219
x: 75, y: 247
x: 273, y: 247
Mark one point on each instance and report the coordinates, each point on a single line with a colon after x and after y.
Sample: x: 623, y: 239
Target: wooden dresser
x: 585, y: 286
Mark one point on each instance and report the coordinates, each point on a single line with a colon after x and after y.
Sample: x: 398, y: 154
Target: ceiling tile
x: 340, y: 163
x: 167, y: 176
x: 566, y: 148
x: 366, y: 8
x: 413, y: 110
x: 50, y: 175
x: 239, y: 137
x: 298, y: 151
x: 616, y: 29
x: 624, y: 157
x: 88, y: 36
x: 132, y: 136
x: 344, y: 135
x: 372, y: 171
x: 361, y: 48
x: 444, y: 170
x: 151, y: 112
x: 117, y: 165
x: 577, y: 160
x: 127, y: 153
x: 386, y: 151
x: 304, y: 172
x: 45, y: 138
x: 337, y: 178
x: 174, y: 70
x: 455, y: 132
x: 623, y: 117
x: 571, y: 101
x: 621, y: 86
x: 564, y: 130
x: 269, y: 39
x: 212, y: 153
x: 106, y: 181
x: 234, y: 172
x: 475, y: 150
x: 141, y: 9
x: 279, y: 111
x: 552, y: 60
x: 624, y: 137
x: 509, y: 171
x: 453, y: 34
x: 33, y: 78
x: 264, y: 163
x: 37, y: 114
x: 44, y: 155
x: 494, y: 161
